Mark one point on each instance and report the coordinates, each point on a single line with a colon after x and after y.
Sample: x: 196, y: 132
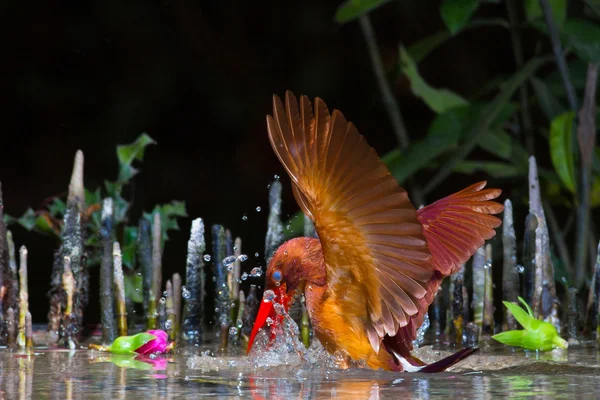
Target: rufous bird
x: 376, y: 266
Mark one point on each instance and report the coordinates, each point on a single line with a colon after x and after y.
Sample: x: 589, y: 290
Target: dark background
x: 198, y: 77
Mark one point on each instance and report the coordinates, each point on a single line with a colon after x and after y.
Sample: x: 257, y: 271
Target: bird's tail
x: 437, y: 366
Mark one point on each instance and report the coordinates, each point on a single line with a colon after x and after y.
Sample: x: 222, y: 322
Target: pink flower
x: 158, y: 345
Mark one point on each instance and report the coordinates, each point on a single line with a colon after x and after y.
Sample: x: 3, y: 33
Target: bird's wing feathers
x: 368, y: 228
x: 457, y: 225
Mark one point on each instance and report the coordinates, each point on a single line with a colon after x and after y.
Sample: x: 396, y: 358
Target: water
x: 83, y: 374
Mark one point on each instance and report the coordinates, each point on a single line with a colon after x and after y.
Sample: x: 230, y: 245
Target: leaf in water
x: 533, y: 10
x: 494, y: 169
x: 497, y: 142
x: 133, y: 287
x: 352, y: 9
x: 561, y: 132
x: 439, y: 100
x: 456, y: 13
x: 128, y: 344
x: 584, y: 37
x: 549, y: 104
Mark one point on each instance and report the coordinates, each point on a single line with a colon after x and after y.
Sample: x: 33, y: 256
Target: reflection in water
x: 94, y: 375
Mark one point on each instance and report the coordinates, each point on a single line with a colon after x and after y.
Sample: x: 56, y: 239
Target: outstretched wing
x: 368, y: 228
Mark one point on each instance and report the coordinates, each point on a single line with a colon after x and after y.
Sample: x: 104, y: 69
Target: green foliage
x: 561, y: 151
x: 584, y: 37
x: 352, y: 9
x: 168, y: 216
x: 439, y: 100
x: 133, y: 287
x: 533, y: 10
x: 537, y: 335
x: 456, y: 13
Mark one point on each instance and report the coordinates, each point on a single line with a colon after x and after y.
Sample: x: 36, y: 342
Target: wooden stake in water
x: 144, y: 250
x: 193, y: 293
x: 487, y: 326
x: 236, y: 331
x: 23, y: 296
x: 223, y: 301
x: 107, y: 296
x: 237, y: 269
x: 156, y: 270
x: 458, y: 322
x: 436, y: 314
x: 11, y: 329
x: 529, y: 257
x: 119, y: 289
x: 597, y: 290
x: 170, y: 309
x: 544, y: 275
x: 12, y: 292
x: 176, y: 280
x: 28, y: 332
x: 478, y: 265
x: 510, y: 275
x: 274, y: 236
x: 250, y: 312
x: 68, y: 285
x: 572, y: 315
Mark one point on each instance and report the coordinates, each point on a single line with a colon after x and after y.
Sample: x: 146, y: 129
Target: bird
x: 377, y: 263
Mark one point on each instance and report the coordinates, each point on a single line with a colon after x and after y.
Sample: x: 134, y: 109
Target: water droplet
x: 276, y: 176
x: 269, y: 321
x: 242, y: 257
x: 166, y: 294
x: 234, y: 248
x: 520, y: 269
x: 279, y: 309
x: 288, y: 227
x: 139, y: 274
x: 216, y: 309
x: 268, y: 295
x: 256, y: 254
x: 244, y: 217
x: 185, y: 293
x: 168, y: 324
x: 206, y: 257
x: 137, y: 290
x: 244, y: 276
x: 152, y: 356
x: 163, y: 300
x: 258, y: 209
x: 256, y: 272
x: 229, y: 260
x: 233, y: 331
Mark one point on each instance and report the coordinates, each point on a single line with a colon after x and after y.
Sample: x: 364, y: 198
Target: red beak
x: 267, y: 310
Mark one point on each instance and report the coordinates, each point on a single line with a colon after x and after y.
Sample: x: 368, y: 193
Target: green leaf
x: 584, y: 37
x: 497, y: 142
x: 352, y: 9
x: 439, y: 100
x: 456, y: 13
x: 442, y: 136
x: 549, y: 104
x: 421, y: 49
x: 28, y: 219
x: 129, y: 344
x: 134, y: 151
x: 168, y: 216
x: 515, y: 338
x: 57, y: 208
x: 129, y: 246
x: 130, y: 362
x: 496, y: 170
x: 133, y: 287
x: 529, y: 310
x: 533, y: 10
x: 528, y: 322
x: 561, y: 132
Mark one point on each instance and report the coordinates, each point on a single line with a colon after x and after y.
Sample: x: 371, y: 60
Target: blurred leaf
x: 494, y: 169
x: 456, y: 13
x: 439, y: 100
x: 561, y: 152
x: 421, y: 49
x: 595, y: 195
x: 533, y: 10
x: 133, y: 287
x: 128, y: 344
x: 352, y: 9
x: 549, y: 104
x: 443, y: 134
x: 130, y: 152
x: 584, y: 37
x: 129, y: 246
x: 134, y: 151
x: 57, y: 208
x: 93, y: 197
x: 577, y: 73
x: 168, y: 216
x: 497, y: 142
x: 40, y: 222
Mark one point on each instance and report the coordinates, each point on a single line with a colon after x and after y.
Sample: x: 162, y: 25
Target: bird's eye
x: 277, y: 276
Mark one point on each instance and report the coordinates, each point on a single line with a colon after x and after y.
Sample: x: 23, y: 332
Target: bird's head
x: 295, y: 263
